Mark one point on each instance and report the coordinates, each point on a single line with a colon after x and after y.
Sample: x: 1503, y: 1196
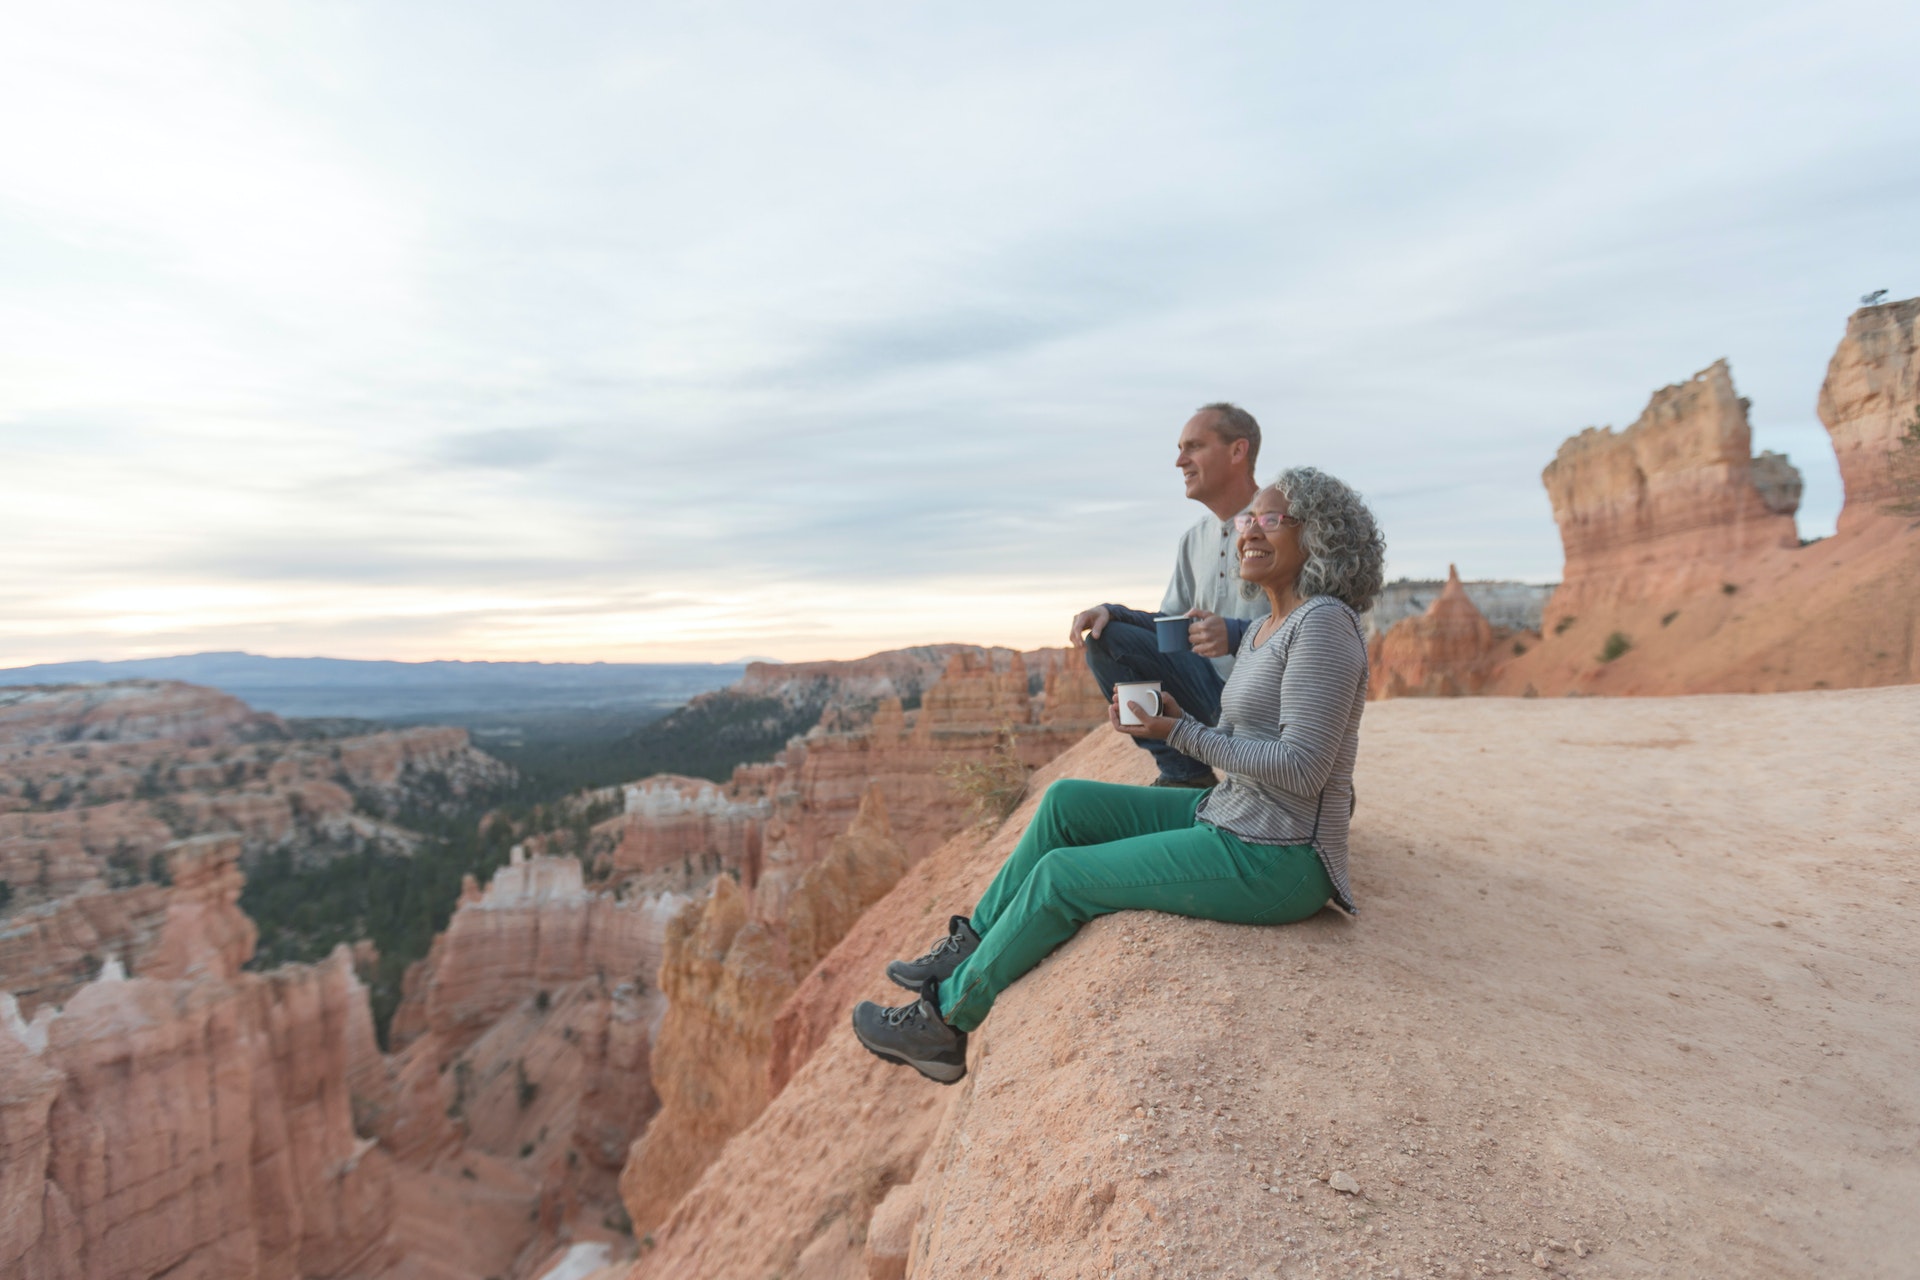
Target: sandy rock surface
x: 1630, y: 995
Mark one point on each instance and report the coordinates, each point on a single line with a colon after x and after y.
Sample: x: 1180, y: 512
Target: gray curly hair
x: 1346, y: 556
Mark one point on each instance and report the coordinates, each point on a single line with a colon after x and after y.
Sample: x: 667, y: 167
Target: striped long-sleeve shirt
x: 1289, y: 733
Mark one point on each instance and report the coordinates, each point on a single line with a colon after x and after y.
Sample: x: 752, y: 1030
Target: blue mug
x: 1170, y: 634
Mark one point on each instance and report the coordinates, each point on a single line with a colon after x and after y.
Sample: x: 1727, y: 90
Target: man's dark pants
x: 1123, y: 652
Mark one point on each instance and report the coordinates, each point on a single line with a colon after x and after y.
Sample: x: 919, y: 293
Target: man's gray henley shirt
x: 1206, y: 575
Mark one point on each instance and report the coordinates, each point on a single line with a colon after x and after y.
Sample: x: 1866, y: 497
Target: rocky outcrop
x: 204, y: 934
x: 1515, y: 606
x: 196, y: 1121
x: 522, y: 1070
x: 39, y: 1235
x: 1681, y: 574
x: 1669, y: 505
x: 1449, y: 650
x: 49, y: 951
x: 537, y: 925
x: 731, y: 962
x: 698, y: 827
x: 1868, y: 403
x: 897, y: 673
x: 806, y: 842
x: 780, y: 817
x: 129, y: 711
x: 723, y: 981
x: 1448, y: 1085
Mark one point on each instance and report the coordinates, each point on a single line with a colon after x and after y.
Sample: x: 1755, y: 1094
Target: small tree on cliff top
x: 1903, y: 467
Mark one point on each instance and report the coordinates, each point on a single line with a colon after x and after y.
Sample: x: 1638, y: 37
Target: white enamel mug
x: 1144, y: 692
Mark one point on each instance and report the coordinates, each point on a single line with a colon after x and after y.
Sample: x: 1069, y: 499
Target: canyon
x: 96, y: 781
x: 1612, y: 1009
x: 573, y: 1010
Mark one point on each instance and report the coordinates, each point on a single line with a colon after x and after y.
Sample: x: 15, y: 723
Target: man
x: 1218, y: 449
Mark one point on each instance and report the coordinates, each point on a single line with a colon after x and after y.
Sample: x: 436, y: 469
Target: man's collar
x: 1226, y: 526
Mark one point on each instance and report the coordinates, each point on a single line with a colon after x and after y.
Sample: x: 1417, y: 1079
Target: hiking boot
x: 1199, y: 782
x: 939, y: 963
x: 914, y: 1035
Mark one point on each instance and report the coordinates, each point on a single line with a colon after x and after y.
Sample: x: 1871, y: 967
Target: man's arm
x: 1133, y: 617
x: 1094, y: 622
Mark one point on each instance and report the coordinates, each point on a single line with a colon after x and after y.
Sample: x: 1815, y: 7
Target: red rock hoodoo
x: 521, y: 1069
x: 193, y: 1122
x: 1449, y: 650
x: 1868, y: 403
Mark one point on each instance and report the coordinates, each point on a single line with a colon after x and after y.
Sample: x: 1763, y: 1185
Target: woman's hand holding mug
x: 1150, y: 726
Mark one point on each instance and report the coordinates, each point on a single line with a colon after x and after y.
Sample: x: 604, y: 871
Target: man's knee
x: 1123, y: 652
x: 1099, y: 662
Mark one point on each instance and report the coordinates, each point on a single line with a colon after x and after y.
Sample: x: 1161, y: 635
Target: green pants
x: 1094, y: 848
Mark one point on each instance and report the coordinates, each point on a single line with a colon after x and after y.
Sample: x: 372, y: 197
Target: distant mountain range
x: 476, y: 694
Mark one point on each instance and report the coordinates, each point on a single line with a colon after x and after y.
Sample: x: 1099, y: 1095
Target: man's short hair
x: 1230, y: 423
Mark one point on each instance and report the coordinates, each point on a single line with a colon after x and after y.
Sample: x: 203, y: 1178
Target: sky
x: 684, y: 332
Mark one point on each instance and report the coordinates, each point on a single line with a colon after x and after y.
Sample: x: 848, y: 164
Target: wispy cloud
x: 443, y: 332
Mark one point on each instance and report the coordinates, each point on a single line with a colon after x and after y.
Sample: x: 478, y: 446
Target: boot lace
x: 906, y: 1015
x: 949, y: 943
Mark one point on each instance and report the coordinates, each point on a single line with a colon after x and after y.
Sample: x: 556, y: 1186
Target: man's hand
x: 1092, y: 621
x: 1207, y: 633
x: 1159, y: 726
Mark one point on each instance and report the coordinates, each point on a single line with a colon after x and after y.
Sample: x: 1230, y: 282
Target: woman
x: 1267, y: 846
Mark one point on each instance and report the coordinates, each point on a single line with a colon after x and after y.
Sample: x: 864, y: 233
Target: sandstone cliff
x: 1502, y: 1077
x: 1682, y: 574
x: 782, y: 816
x: 812, y: 838
x: 1666, y: 507
x: 196, y: 1120
x: 522, y: 1068
x: 731, y: 962
x: 897, y: 673
x: 1868, y: 403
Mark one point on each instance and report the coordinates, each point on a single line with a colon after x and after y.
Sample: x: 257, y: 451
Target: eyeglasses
x: 1271, y: 521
